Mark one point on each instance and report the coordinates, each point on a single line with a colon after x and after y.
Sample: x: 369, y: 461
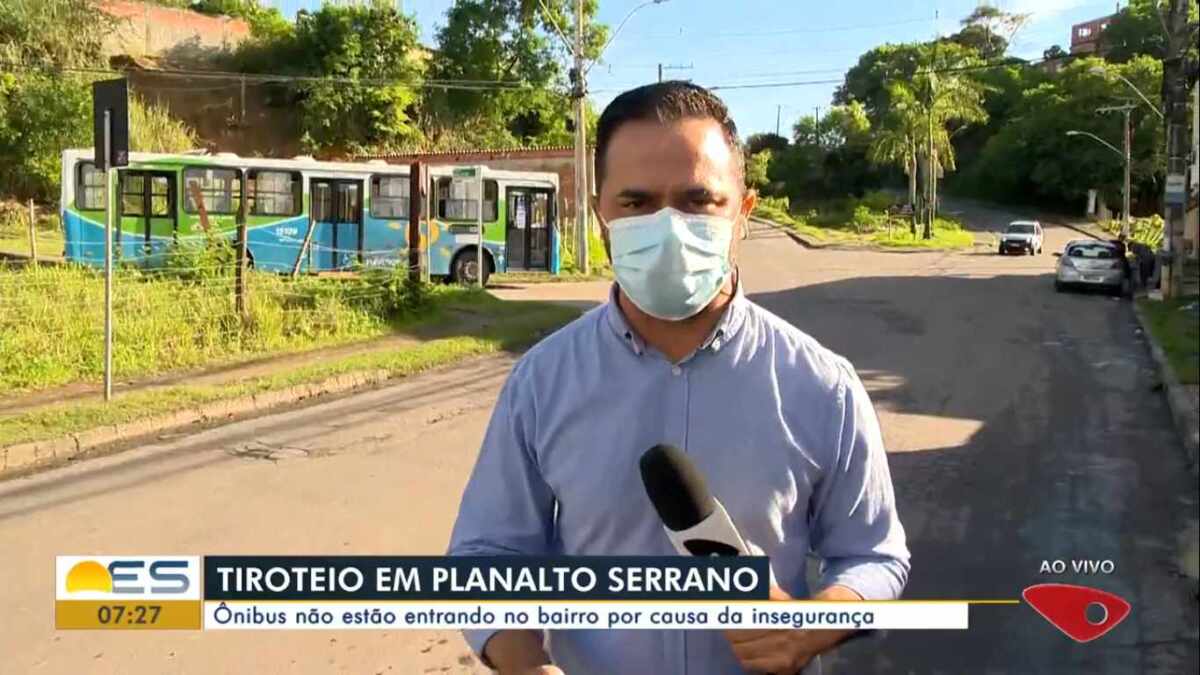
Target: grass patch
x: 52, y: 319
x: 14, y: 232
x: 524, y: 323
x: 1177, y: 331
x: 859, y: 222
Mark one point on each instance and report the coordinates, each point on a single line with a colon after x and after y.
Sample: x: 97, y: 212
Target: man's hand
x: 787, y: 651
x: 518, y: 652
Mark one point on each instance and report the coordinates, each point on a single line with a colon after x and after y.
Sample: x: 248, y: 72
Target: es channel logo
x: 127, y: 592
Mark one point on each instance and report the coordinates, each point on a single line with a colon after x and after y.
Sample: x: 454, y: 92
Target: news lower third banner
x: 398, y: 592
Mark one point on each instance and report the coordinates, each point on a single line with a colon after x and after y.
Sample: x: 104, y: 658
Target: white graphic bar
x: 316, y: 615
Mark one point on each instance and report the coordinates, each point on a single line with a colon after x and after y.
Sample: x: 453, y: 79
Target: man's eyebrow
x: 633, y: 193
x: 700, y: 193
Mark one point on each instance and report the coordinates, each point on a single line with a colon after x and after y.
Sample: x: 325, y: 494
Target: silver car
x: 1090, y: 263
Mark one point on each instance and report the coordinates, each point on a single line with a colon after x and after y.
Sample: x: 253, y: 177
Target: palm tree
x: 896, y: 142
x: 927, y: 111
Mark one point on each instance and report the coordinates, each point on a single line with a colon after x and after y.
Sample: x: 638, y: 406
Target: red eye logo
x: 1082, y: 613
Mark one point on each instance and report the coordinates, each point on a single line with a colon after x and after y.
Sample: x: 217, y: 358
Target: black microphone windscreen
x: 676, y: 487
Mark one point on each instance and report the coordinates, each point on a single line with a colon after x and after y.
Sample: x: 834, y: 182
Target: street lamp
x: 1097, y: 70
x: 1124, y: 158
x: 621, y: 25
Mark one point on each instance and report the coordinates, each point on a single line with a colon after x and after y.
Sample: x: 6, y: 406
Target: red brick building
x: 1085, y: 37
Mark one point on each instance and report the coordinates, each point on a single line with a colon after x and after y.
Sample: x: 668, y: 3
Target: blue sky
x: 732, y: 42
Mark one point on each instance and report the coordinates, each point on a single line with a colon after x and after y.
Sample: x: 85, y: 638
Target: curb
x: 1187, y: 421
x: 22, y: 457
x: 796, y: 236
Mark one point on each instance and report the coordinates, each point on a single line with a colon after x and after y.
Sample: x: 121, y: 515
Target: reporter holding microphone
x: 780, y: 427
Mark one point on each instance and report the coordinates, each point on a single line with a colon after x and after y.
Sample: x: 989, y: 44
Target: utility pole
x: 1175, y: 109
x: 579, y: 92
x: 778, y: 114
x: 661, y: 68
x: 1127, y: 153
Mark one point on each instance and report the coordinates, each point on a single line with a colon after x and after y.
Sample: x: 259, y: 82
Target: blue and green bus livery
x: 358, y: 213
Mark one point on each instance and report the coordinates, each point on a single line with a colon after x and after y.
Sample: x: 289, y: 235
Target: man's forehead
x: 670, y: 151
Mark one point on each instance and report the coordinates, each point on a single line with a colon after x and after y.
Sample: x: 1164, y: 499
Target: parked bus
x: 358, y: 213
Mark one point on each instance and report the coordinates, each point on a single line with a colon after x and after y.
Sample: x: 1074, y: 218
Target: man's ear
x: 594, y: 201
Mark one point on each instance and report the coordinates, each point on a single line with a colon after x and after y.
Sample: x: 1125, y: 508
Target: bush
x: 878, y: 200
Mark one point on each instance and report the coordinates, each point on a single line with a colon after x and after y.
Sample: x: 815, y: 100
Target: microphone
x: 694, y: 520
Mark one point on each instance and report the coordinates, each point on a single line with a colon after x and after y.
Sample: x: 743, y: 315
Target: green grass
x: 52, y: 321
x: 836, y: 227
x: 524, y: 322
x: 14, y: 232
x: 947, y: 234
x: 1178, y: 333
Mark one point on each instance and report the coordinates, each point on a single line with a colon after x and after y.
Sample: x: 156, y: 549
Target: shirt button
x: 676, y: 370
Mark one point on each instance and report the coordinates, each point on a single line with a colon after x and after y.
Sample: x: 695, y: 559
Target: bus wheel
x: 465, y: 269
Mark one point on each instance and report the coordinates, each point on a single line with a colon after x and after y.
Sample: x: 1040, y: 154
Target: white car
x: 1022, y: 236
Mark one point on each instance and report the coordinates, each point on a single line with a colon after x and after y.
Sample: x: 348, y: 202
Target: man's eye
x: 632, y: 204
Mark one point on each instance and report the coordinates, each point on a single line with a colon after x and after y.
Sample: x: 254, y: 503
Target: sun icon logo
x: 89, y: 575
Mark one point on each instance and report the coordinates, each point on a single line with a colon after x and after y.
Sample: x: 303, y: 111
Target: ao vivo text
x: 1077, y: 566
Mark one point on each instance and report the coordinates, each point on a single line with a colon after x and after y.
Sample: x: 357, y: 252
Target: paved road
x: 1021, y: 426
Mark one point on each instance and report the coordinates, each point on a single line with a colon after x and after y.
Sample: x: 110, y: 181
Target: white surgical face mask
x: 669, y: 263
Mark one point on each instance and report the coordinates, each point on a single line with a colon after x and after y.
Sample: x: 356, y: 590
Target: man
x: 780, y: 426
x: 1143, y: 255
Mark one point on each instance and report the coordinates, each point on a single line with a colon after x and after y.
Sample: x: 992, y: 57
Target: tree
x: 374, y: 44
x: 936, y: 103
x: 1054, y: 53
x: 757, y: 166
x: 499, y: 62
x: 756, y: 143
x: 896, y: 143
x: 1134, y: 30
x: 1031, y: 159
x: 988, y: 30
x: 828, y: 156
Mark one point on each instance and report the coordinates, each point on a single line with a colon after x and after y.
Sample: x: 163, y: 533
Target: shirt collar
x: 731, y: 322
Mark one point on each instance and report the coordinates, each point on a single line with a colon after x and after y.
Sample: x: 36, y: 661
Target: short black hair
x: 665, y: 102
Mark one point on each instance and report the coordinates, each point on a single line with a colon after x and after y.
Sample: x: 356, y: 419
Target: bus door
x: 337, y: 222
x: 527, y: 232
x: 148, y: 215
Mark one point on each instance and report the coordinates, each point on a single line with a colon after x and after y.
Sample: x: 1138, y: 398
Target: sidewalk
x: 1183, y: 399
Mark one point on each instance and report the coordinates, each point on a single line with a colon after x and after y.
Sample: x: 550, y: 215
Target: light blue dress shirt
x: 781, y: 427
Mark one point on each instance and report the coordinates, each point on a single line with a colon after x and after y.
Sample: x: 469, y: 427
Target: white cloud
x: 1040, y: 10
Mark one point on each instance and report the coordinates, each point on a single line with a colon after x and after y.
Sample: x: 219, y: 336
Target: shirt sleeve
x: 507, y: 508
x: 854, y: 525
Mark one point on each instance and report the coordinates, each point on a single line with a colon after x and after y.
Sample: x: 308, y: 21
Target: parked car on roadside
x: 1090, y: 263
x: 1022, y: 236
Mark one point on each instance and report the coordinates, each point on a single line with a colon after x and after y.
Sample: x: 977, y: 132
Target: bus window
x: 220, y: 189
x: 459, y: 199
x: 89, y: 187
x: 389, y: 196
x: 273, y: 193
x: 133, y: 195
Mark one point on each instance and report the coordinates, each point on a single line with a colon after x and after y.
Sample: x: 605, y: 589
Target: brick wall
x: 181, y: 35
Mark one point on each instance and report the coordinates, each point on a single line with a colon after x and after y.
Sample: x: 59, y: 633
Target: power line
x: 265, y: 78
